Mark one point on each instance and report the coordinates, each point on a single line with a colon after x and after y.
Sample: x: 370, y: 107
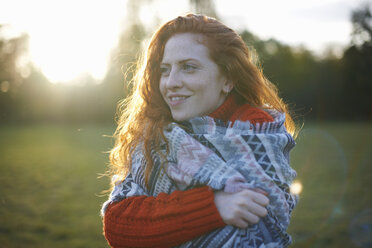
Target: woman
x: 201, y: 153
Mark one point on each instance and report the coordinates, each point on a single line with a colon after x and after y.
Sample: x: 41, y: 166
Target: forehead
x: 185, y: 46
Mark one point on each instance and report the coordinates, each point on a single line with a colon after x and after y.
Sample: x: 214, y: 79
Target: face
x: 191, y: 83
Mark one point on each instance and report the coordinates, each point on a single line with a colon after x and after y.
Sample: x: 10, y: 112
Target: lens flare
x: 296, y: 188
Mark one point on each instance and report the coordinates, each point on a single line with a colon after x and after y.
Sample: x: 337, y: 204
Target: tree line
x: 316, y: 88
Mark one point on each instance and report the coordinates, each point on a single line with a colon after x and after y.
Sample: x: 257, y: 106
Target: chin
x: 180, y: 117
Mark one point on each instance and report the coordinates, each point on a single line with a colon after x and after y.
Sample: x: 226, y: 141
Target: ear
x: 227, y: 87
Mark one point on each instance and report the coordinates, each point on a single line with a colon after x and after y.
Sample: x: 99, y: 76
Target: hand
x: 242, y: 208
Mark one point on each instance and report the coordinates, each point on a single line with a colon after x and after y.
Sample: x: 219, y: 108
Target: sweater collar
x: 228, y: 107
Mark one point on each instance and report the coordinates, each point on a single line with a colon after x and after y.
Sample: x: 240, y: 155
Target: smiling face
x: 191, y: 83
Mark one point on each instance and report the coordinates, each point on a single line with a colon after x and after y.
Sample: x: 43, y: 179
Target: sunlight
x: 78, y: 41
x: 69, y: 38
x: 296, y: 188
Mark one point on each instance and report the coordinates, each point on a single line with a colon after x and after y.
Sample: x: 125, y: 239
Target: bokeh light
x: 4, y: 86
x: 296, y: 187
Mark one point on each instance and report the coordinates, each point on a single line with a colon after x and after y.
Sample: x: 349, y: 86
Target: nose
x: 174, y: 80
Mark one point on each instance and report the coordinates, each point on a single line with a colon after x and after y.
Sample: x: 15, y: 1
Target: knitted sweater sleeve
x: 163, y: 221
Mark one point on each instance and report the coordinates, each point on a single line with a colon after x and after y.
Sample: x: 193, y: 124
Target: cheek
x: 161, y: 88
x: 198, y: 83
x: 209, y: 87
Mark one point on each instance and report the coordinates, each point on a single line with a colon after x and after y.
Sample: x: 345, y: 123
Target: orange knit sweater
x: 171, y: 219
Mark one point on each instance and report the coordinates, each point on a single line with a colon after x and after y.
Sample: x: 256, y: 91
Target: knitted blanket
x: 225, y: 157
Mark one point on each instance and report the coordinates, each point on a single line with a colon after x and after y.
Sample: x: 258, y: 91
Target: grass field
x: 49, y: 185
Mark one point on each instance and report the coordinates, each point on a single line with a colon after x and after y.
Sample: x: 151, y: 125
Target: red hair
x: 144, y: 114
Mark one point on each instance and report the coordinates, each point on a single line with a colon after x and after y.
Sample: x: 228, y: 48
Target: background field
x: 50, y: 193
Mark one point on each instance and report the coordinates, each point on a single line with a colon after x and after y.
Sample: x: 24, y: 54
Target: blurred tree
x: 13, y: 69
x: 356, y: 67
x: 292, y: 70
x: 34, y: 98
x: 361, y: 19
x: 206, y: 7
x: 123, y: 58
x: 327, y: 87
x: 13, y: 53
x: 357, y: 82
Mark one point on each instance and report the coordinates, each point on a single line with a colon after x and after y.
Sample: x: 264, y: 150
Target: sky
x: 65, y: 44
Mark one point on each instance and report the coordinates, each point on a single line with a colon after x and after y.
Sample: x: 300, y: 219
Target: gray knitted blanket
x: 225, y: 157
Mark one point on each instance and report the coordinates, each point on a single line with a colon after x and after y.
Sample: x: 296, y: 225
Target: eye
x: 164, y: 70
x: 189, y: 67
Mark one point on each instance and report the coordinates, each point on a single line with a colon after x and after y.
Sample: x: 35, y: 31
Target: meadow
x: 51, y: 192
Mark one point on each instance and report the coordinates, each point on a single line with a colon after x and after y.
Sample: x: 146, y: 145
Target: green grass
x: 49, y: 187
x: 49, y: 190
x: 333, y: 162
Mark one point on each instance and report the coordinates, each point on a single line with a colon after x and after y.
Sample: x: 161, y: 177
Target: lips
x: 175, y: 100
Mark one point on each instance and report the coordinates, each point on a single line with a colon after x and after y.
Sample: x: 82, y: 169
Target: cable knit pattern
x: 162, y: 221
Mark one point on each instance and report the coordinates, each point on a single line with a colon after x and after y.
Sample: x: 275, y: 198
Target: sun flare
x: 70, y: 38
x: 296, y: 188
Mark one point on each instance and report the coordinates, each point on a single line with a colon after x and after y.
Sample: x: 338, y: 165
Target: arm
x: 169, y: 220
x: 162, y: 221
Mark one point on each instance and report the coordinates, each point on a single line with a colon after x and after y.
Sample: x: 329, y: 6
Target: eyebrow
x: 183, y: 61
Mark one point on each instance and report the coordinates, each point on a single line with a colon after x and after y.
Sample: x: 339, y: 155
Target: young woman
x: 201, y: 153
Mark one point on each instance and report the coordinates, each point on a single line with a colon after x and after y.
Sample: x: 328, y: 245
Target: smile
x: 177, y: 98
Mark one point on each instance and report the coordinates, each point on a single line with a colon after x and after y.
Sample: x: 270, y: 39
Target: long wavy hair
x: 143, y: 115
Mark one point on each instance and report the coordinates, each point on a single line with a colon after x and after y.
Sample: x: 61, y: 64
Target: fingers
x: 242, y: 208
x: 250, y: 217
x: 261, y: 199
x: 253, y: 195
x: 258, y: 190
x: 253, y: 206
x: 241, y: 223
x: 257, y: 210
x: 243, y: 218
